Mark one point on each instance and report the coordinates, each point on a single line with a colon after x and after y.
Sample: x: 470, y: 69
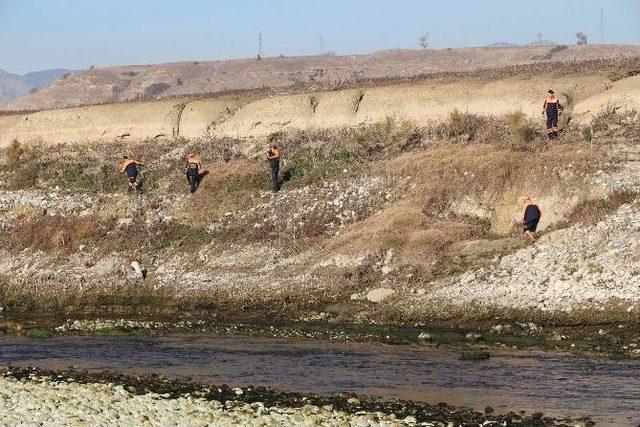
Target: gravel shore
x: 33, y: 397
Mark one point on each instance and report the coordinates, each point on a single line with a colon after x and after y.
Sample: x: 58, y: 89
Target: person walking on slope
x: 530, y: 219
x: 552, y: 109
x: 130, y: 167
x: 193, y: 170
x: 273, y: 156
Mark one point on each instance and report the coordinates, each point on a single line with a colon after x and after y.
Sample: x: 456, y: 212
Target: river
x: 555, y: 384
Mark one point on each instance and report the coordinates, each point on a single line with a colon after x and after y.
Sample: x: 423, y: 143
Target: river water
x: 559, y: 385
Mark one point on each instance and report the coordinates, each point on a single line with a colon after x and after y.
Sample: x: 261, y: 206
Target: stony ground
x: 577, y: 267
x: 70, y: 404
x: 32, y: 397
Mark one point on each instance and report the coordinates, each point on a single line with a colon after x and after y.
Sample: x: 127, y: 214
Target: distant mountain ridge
x: 14, y: 86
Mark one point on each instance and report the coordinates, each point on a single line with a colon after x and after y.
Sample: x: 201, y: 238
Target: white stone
x: 379, y: 294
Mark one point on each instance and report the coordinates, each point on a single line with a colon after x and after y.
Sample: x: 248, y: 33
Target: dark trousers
x: 193, y: 182
x: 552, y: 124
x: 274, y: 165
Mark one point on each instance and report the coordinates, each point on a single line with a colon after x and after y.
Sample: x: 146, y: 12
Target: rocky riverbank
x: 28, y: 395
x: 617, y: 340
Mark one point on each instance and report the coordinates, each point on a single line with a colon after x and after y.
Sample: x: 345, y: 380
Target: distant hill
x: 145, y: 82
x: 542, y: 43
x: 503, y: 44
x: 46, y: 77
x: 14, y: 86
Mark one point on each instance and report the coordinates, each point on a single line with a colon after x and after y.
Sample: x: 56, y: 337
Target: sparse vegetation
x: 423, y: 41
x: 594, y: 210
x: 12, y: 154
x: 155, y: 89
x: 581, y: 38
x: 464, y: 124
x: 522, y: 127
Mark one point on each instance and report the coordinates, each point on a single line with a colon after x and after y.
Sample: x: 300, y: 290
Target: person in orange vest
x: 552, y: 109
x: 130, y: 167
x: 273, y: 156
x: 192, y: 170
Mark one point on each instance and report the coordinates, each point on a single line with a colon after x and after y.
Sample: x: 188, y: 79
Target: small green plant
x: 460, y: 124
x: 522, y: 127
x: 587, y: 135
x: 39, y: 333
x: 515, y: 118
x: 474, y: 354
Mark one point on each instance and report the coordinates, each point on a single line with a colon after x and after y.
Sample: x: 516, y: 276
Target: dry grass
x: 65, y: 234
x: 595, y: 210
x: 423, y: 225
x: 55, y: 233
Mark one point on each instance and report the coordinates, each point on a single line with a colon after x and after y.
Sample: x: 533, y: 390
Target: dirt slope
x: 115, y: 84
x: 249, y: 116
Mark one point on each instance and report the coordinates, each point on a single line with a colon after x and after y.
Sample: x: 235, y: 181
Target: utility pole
x: 601, y: 26
x: 259, y: 46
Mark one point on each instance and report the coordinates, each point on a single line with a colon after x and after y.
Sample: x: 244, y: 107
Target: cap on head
x: 550, y: 92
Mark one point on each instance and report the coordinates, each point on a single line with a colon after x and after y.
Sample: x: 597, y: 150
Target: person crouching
x: 130, y: 167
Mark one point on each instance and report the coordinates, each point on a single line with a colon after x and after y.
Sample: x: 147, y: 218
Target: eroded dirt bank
x: 585, y: 87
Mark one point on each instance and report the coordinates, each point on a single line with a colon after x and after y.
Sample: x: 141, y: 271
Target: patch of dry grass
x: 423, y: 225
x: 594, y: 210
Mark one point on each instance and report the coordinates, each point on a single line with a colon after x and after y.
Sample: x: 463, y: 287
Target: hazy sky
x: 40, y: 34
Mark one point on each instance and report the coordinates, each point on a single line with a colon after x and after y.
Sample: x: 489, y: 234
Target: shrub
x: 12, y: 154
x: 24, y: 171
x: 155, y: 89
x: 464, y: 124
x: 515, y: 118
x: 522, y: 127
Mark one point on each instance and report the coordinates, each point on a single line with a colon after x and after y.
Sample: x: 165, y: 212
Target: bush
x: 24, y: 171
x: 155, y: 89
x: 12, y: 154
x: 464, y: 124
x: 522, y: 127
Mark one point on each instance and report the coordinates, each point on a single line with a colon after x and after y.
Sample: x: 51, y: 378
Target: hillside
x: 13, y: 86
x: 144, y: 82
x: 418, y: 100
x: 388, y: 221
x: 401, y: 204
